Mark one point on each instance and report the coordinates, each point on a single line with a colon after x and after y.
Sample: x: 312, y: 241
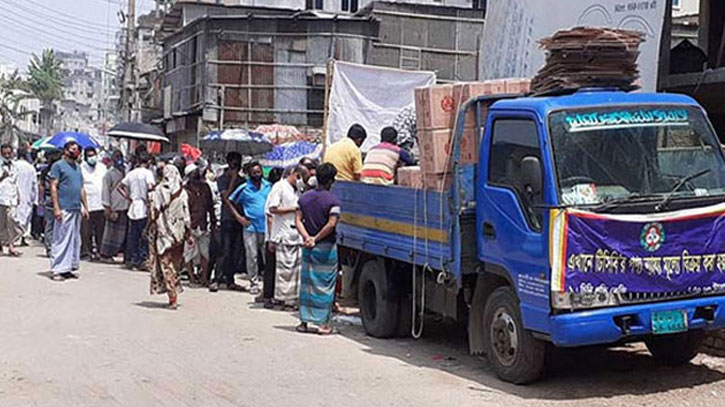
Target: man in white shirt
x: 92, y: 228
x: 282, y: 205
x: 135, y: 188
x: 9, y: 198
x: 28, y: 190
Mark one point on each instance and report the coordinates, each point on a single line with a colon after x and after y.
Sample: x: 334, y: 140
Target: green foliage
x: 45, y: 77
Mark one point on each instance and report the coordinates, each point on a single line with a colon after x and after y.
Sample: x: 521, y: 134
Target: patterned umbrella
x: 289, y: 154
x: 242, y: 141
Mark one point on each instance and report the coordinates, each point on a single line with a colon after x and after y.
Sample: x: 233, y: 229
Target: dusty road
x: 103, y: 341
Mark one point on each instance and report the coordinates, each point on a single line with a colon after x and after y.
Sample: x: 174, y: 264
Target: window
x: 676, y: 4
x: 514, y: 139
x: 479, y: 4
x: 314, y: 4
x: 349, y: 5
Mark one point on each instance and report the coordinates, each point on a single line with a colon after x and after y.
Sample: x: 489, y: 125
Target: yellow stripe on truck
x: 400, y: 228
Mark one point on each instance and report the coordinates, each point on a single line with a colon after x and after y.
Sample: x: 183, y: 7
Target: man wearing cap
x: 203, y: 223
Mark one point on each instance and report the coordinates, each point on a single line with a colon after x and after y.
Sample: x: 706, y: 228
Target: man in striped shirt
x: 382, y: 160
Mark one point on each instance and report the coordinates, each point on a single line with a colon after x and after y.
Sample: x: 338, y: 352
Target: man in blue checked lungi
x: 69, y: 205
x: 317, y: 216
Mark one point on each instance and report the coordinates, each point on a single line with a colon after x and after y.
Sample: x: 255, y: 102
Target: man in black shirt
x: 231, y: 254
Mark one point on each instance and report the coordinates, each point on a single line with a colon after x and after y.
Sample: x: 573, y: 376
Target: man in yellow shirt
x: 345, y: 154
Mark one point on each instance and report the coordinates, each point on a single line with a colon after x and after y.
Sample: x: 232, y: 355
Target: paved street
x: 103, y: 341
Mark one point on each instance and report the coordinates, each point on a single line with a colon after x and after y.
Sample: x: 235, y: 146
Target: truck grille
x: 636, y: 298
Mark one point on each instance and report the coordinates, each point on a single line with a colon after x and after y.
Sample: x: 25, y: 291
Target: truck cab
x: 602, y: 152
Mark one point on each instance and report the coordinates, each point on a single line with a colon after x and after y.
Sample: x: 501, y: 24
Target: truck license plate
x: 669, y: 322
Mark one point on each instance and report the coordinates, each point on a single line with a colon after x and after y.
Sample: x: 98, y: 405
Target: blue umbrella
x: 60, y: 139
x: 288, y: 154
x: 244, y: 142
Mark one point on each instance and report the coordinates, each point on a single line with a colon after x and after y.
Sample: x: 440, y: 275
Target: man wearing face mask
x: 232, y: 247
x: 69, y: 206
x: 252, y: 197
x: 9, y: 199
x: 115, y: 207
x: 92, y: 228
x: 284, y: 239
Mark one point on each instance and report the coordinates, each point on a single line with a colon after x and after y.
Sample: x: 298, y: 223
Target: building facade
x: 244, y: 66
x: 83, y: 94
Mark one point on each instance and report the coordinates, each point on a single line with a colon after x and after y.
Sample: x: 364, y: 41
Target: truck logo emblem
x: 652, y: 236
x: 447, y: 104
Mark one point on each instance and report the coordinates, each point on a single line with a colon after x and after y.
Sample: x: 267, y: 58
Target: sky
x: 29, y: 26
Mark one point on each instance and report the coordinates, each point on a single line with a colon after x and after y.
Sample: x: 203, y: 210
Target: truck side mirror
x: 531, y: 174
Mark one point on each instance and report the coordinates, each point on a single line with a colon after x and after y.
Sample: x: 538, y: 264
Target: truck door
x: 511, y: 237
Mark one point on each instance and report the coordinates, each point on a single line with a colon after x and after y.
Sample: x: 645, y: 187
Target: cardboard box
x: 498, y: 86
x: 411, y: 177
x: 435, y: 147
x: 518, y: 85
x: 462, y: 92
x: 435, y: 107
x: 437, y: 182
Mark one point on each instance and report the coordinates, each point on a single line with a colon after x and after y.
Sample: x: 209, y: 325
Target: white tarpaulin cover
x: 371, y: 96
x: 513, y: 27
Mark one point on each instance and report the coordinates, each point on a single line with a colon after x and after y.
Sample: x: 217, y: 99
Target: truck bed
x: 410, y: 225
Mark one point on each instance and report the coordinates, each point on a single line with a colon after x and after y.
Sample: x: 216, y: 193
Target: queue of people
x: 175, y: 218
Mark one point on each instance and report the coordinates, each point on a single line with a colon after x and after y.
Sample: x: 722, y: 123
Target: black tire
x: 516, y: 356
x: 676, y: 349
x: 378, y: 301
x: 405, y: 313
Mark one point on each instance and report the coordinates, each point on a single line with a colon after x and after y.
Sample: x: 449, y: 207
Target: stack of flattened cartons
x: 436, y: 112
x: 585, y: 57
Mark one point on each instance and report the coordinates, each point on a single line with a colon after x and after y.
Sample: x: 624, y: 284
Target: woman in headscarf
x: 169, y: 226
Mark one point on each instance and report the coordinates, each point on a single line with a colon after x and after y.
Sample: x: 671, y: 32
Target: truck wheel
x: 378, y: 302
x: 516, y: 356
x: 405, y: 313
x: 677, y: 349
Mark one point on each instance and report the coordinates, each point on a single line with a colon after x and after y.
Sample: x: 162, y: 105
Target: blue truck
x: 575, y: 228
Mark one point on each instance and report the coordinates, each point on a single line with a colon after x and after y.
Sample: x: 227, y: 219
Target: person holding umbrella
x: 69, y: 206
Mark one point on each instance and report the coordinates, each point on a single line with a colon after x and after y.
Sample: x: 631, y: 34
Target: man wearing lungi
x: 284, y: 237
x: 69, y: 206
x: 115, y: 207
x: 9, y: 228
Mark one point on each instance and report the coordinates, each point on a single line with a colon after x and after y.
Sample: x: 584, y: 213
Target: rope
x: 418, y: 332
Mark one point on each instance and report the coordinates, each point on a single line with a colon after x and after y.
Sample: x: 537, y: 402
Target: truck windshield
x: 606, y: 154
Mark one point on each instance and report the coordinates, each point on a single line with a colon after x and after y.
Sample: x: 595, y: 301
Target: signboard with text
x: 677, y: 252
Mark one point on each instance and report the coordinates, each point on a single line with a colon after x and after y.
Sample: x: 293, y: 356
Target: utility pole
x: 126, y: 94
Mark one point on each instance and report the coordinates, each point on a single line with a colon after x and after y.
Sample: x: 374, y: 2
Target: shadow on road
x: 153, y: 305
x: 571, y: 374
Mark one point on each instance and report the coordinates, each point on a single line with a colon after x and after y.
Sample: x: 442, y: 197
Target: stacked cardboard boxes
x: 436, y: 111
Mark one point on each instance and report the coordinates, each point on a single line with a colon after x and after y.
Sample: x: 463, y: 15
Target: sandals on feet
x: 302, y: 328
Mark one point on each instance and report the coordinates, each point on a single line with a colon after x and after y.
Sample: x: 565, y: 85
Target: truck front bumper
x: 609, y: 325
